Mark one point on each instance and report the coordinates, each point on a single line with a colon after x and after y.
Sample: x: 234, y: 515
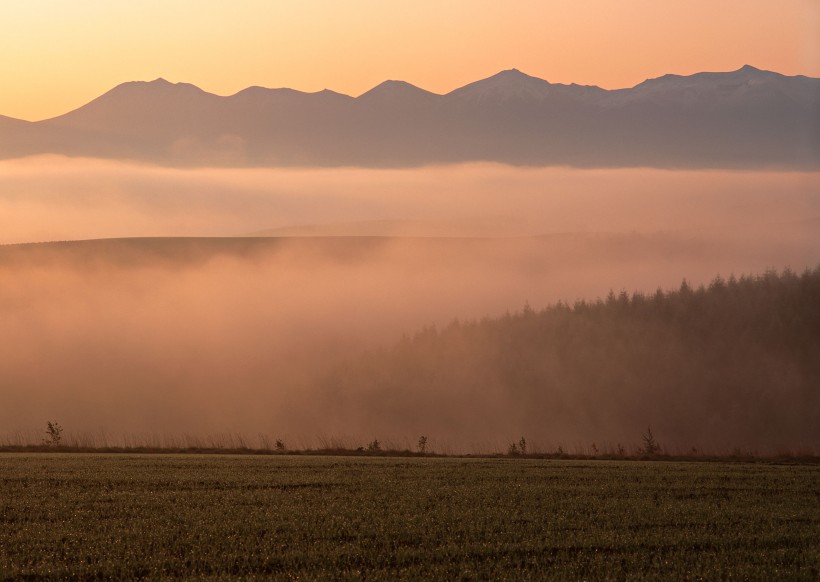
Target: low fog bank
x: 240, y: 335
x: 55, y: 198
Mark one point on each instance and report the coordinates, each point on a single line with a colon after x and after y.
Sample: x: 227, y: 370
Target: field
x: 131, y: 516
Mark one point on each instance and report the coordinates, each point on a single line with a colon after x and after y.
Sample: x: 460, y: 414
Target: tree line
x: 735, y: 363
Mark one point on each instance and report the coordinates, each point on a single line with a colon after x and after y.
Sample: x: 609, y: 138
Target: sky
x: 58, y: 55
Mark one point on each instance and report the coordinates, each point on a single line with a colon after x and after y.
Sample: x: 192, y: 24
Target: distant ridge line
x: 747, y: 118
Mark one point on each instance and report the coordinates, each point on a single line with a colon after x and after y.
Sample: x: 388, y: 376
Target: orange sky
x: 56, y: 55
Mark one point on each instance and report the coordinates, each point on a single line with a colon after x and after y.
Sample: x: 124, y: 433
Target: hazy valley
x: 168, y: 322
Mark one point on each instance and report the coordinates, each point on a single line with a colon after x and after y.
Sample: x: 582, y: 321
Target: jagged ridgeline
x: 734, y: 364
x: 748, y: 118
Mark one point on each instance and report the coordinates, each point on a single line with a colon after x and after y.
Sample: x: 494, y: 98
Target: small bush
x: 422, y: 444
x: 650, y: 445
x: 54, y: 434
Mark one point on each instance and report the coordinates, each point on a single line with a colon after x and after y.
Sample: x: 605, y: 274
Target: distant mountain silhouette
x: 743, y: 118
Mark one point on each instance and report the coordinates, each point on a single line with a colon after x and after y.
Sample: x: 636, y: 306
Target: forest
x: 734, y: 365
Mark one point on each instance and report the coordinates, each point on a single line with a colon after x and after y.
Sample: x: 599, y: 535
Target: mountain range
x: 747, y: 118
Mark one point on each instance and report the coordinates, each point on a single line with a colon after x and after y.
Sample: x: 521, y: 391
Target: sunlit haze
x: 176, y: 260
x: 431, y: 289
x: 238, y: 334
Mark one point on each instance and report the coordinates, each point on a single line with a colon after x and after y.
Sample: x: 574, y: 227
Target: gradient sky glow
x: 57, y: 54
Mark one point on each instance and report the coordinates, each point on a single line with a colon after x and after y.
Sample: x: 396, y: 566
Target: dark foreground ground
x: 132, y: 516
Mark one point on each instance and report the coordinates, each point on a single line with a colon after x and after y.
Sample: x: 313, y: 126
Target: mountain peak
x: 392, y: 89
x: 134, y: 97
x: 740, y: 78
x: 157, y: 85
x: 263, y: 96
x: 749, y: 69
x: 753, y: 73
x: 513, y: 74
x: 507, y: 84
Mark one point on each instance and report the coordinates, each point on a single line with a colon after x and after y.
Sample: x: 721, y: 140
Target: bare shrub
x: 54, y: 434
x: 650, y: 445
x: 422, y: 444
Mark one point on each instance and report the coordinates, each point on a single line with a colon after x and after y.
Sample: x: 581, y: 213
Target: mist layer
x: 238, y: 334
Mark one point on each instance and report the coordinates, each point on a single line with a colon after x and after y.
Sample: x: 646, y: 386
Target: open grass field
x: 133, y: 516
